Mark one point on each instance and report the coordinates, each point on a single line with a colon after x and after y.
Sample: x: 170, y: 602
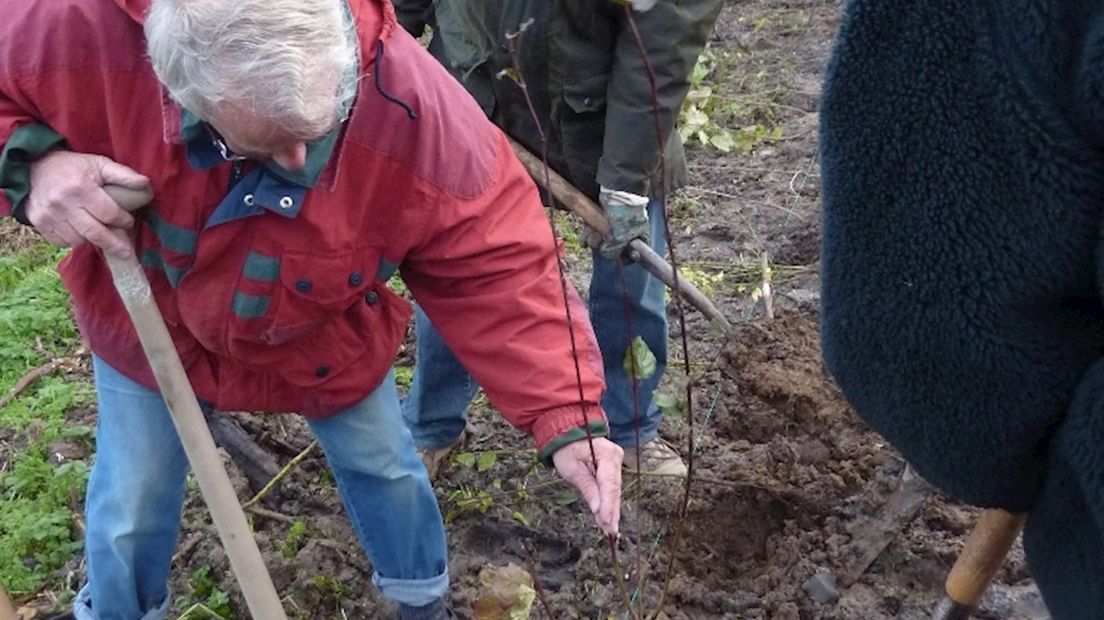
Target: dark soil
x: 786, y: 479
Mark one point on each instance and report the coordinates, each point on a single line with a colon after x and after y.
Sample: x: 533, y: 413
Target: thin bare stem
x: 514, y: 41
x: 634, y: 365
x: 280, y: 475
x: 662, y: 179
x: 541, y: 596
x: 514, y: 45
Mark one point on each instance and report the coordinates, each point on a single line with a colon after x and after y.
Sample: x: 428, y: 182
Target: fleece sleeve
x: 961, y: 215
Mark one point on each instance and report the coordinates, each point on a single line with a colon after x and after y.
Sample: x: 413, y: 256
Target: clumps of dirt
x: 778, y: 362
x: 781, y: 459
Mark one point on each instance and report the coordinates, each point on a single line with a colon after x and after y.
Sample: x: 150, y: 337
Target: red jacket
x: 275, y: 313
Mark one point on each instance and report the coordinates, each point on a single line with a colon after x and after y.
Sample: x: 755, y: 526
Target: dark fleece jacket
x: 963, y: 184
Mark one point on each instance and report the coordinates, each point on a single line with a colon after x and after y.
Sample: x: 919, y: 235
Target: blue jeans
x: 436, y: 407
x: 136, y: 492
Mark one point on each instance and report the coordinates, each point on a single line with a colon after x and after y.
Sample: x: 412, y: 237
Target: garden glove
x: 628, y: 218
x: 642, y: 5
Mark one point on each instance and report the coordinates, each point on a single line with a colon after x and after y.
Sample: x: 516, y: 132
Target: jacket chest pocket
x: 313, y: 290
x: 326, y: 311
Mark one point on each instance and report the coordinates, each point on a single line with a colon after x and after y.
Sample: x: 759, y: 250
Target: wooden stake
x: 768, y: 299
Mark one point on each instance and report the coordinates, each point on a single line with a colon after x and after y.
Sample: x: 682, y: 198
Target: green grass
x: 37, y: 535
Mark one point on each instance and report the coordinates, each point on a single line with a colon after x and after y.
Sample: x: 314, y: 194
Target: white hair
x: 289, y: 61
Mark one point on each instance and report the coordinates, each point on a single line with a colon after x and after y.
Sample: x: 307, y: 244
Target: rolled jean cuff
x: 82, y: 607
x: 413, y: 592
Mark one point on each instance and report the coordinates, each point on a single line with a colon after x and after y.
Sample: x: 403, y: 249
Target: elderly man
x: 295, y: 164
x: 590, y: 88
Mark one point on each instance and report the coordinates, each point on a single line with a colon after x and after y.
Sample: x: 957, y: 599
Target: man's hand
x: 628, y: 218
x: 68, y: 206
x: 602, y: 488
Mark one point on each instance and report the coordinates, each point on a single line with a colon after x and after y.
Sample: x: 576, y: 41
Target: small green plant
x: 480, y: 461
x: 568, y: 230
x: 705, y: 281
x: 670, y: 404
x: 404, y: 376
x: 206, y: 598
x: 330, y: 588
x: 640, y: 362
x: 396, y: 284
x: 37, y: 536
x: 466, y: 500
x: 294, y: 539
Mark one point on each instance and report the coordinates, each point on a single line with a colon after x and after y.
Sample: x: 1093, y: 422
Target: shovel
x: 639, y: 252
x: 214, y: 483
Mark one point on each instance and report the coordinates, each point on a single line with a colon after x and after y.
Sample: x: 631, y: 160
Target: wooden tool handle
x: 985, y: 551
x: 7, y: 610
x: 214, y: 483
x: 562, y: 190
x: 578, y: 203
x: 128, y: 198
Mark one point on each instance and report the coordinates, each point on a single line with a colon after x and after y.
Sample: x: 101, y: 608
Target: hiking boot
x: 434, y: 458
x: 656, y: 459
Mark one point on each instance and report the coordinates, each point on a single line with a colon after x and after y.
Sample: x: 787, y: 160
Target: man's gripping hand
x: 68, y: 206
x: 600, y: 489
x: 628, y: 219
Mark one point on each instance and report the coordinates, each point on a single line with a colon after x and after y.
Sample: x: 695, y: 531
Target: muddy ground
x: 787, y: 480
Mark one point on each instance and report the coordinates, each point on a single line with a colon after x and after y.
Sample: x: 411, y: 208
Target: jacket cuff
x: 579, y: 433
x: 611, y: 178
x: 26, y: 144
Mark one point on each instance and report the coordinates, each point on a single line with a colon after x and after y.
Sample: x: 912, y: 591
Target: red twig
x: 514, y: 43
x: 541, y: 596
x: 660, y: 145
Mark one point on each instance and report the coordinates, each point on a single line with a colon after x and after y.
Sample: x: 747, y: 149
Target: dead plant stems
x: 280, y: 475
x: 541, y: 596
x: 28, y: 379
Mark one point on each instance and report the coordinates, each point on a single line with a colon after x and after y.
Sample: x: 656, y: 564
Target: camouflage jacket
x: 585, y: 75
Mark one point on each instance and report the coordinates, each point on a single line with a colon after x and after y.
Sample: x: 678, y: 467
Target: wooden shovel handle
x: 127, y: 198
x: 985, y: 551
x: 214, y: 483
x: 977, y: 565
x: 7, y: 610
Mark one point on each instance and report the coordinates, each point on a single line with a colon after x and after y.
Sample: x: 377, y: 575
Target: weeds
x: 721, y: 122
x: 37, y: 533
x: 206, y: 599
x: 294, y: 539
